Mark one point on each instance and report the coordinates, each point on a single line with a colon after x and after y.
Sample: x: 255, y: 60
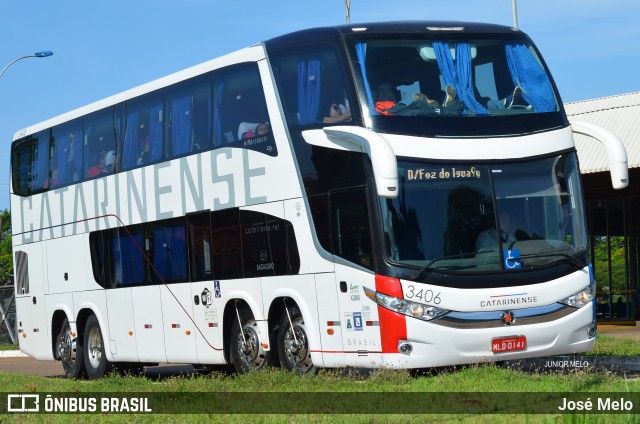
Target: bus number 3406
x: 427, y: 296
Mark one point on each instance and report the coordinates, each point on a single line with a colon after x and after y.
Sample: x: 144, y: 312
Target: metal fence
x: 8, y: 322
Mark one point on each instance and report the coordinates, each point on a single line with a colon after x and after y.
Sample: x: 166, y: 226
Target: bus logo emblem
x: 508, y: 318
x: 206, y: 298
x: 216, y: 288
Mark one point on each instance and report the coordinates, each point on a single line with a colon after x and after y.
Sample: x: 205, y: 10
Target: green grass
x: 618, y: 346
x: 8, y: 347
x: 477, y: 378
x: 474, y: 380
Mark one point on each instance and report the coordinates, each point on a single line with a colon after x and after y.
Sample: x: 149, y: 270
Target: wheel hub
x: 95, y: 347
x: 66, y: 347
x: 249, y: 345
x: 297, y: 347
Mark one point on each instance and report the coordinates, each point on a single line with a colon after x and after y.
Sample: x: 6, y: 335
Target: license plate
x: 508, y: 344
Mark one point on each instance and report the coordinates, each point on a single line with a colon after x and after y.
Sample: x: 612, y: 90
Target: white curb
x: 15, y: 353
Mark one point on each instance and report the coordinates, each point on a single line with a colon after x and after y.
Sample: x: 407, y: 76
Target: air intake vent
x: 22, y: 272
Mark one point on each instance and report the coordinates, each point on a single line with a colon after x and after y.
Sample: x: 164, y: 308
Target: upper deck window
x: 312, y: 85
x: 223, y: 108
x: 432, y: 86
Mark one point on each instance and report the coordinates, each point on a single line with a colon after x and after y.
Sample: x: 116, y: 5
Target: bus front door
x: 360, y: 325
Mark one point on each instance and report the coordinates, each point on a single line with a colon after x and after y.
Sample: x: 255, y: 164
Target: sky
x: 592, y: 47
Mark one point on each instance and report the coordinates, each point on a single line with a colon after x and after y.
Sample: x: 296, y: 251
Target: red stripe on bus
x: 393, y: 326
x: 346, y: 351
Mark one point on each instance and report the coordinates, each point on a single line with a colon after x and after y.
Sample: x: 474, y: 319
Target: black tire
x: 95, y: 360
x: 69, y: 350
x: 293, y: 351
x: 247, y: 353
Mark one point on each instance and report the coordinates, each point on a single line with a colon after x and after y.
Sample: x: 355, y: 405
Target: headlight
x: 581, y: 298
x: 405, y: 307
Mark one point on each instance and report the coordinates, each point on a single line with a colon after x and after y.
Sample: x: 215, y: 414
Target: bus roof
x: 328, y: 34
x: 396, y: 27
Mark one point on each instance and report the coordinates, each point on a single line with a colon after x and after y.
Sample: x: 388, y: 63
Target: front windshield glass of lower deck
x: 465, y: 218
x: 455, y: 87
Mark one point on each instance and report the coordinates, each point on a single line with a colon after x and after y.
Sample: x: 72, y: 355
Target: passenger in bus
x: 110, y: 161
x: 104, y: 165
x: 338, y: 113
x: 422, y: 105
x: 71, y: 163
x: 420, y: 97
x: 145, y: 154
x: 53, y: 179
x: 100, y: 167
x: 385, y: 99
x: 516, y: 100
x: 452, y: 103
x: 262, y: 129
x: 489, y: 237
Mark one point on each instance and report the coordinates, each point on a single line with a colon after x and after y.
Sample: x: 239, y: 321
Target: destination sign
x: 443, y: 173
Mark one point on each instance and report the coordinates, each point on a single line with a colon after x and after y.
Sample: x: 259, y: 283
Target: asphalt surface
x: 53, y: 369
x: 15, y: 361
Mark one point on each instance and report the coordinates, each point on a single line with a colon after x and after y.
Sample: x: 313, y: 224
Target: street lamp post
x: 37, y: 54
x: 44, y: 53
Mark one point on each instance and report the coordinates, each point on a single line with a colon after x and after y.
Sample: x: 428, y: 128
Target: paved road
x: 31, y: 366
x: 53, y: 369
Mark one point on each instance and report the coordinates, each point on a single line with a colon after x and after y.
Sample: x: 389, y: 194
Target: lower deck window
x: 225, y: 244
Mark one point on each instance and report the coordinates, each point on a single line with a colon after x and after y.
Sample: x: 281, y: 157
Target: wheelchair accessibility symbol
x: 512, y: 259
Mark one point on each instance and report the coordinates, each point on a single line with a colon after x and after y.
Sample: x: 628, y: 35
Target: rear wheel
x: 69, y: 351
x: 246, y: 348
x: 94, y: 354
x: 293, y: 343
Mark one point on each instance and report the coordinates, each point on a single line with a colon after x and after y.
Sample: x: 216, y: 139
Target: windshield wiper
x: 568, y: 258
x: 420, y: 274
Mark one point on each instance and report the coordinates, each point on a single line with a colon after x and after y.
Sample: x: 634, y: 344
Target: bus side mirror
x: 616, y: 151
x: 358, y: 139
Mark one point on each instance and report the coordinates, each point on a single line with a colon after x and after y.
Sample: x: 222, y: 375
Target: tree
x: 6, y: 256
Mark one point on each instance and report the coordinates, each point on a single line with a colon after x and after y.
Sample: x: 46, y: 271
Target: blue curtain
x: 75, y: 165
x: 128, y: 261
x: 131, y: 140
x: 61, y: 157
x: 361, y: 51
x: 170, y: 254
x: 40, y: 171
x: 64, y: 158
x: 88, y: 160
x: 181, y: 109
x: 217, y: 118
x: 308, y: 90
x: 529, y: 74
x: 458, y: 73
x: 155, y: 132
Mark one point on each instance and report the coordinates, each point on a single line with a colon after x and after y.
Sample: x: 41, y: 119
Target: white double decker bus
x: 399, y: 195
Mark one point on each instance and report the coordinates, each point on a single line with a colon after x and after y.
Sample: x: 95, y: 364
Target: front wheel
x: 94, y: 354
x: 293, y: 343
x: 69, y: 351
x: 247, y: 353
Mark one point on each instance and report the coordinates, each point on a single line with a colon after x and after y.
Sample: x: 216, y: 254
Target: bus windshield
x: 454, y: 87
x: 466, y: 218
